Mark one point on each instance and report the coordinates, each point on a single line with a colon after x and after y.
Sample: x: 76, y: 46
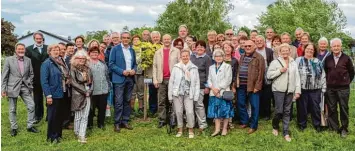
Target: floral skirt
x: 219, y: 108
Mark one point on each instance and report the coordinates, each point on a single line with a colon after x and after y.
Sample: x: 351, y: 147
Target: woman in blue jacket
x: 53, y: 80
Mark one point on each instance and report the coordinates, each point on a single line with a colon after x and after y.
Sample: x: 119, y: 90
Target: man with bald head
x: 340, y: 72
x: 164, y: 60
x: 249, y: 83
x: 146, y: 36
x: 228, y: 34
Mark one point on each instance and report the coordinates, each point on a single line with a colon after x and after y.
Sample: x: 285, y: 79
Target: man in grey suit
x: 17, y: 80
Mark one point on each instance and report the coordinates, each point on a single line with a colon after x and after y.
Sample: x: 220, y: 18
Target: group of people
x: 201, y: 82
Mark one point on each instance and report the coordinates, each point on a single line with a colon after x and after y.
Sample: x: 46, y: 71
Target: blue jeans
x: 123, y: 93
x: 243, y: 95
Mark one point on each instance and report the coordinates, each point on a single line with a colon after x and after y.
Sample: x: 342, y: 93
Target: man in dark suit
x: 266, y: 91
x: 37, y: 53
x: 122, y: 63
x: 17, y: 78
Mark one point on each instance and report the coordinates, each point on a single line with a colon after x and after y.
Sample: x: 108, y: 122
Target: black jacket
x: 37, y: 59
x: 340, y: 75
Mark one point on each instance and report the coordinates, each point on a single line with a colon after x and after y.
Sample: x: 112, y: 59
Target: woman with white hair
x: 184, y: 89
x: 219, y: 81
x: 322, y: 46
x: 82, y: 87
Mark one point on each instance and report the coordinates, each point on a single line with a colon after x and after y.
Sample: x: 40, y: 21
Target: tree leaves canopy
x: 200, y: 16
x: 8, y: 38
x: 318, y: 17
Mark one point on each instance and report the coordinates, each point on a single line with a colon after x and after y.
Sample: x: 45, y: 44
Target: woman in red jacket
x: 305, y: 39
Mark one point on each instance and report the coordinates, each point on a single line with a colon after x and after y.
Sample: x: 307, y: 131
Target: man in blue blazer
x: 122, y: 63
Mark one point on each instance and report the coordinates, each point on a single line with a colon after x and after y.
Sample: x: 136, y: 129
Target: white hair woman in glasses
x: 219, y: 81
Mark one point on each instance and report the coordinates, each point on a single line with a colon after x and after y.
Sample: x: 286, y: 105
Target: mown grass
x: 146, y: 136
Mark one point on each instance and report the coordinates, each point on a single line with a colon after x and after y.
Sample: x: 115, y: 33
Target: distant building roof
x: 48, y: 33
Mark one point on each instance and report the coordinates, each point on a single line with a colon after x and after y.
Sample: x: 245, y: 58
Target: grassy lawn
x: 146, y: 136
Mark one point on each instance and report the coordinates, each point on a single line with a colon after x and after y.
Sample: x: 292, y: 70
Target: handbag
x: 228, y: 95
x: 278, y: 75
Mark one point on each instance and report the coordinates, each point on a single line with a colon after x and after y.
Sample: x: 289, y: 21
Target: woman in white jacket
x: 286, y: 86
x: 184, y: 88
x: 219, y: 81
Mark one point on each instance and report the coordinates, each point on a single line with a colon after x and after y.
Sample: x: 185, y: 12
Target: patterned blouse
x: 312, y: 75
x: 101, y: 80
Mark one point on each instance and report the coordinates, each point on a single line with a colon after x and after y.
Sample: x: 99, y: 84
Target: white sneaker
x: 179, y: 134
x: 275, y: 132
x: 82, y: 140
x: 191, y: 135
x: 288, y: 138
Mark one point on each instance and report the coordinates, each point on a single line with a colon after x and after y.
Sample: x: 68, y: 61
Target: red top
x: 166, y: 70
x: 102, y: 56
x: 300, y: 51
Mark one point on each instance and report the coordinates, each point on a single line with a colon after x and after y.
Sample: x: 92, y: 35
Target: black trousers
x: 265, y: 101
x: 336, y: 96
x: 309, y: 103
x: 67, y: 114
x: 99, y: 102
x: 55, y: 118
x: 153, y: 99
x: 38, y: 99
x: 205, y: 104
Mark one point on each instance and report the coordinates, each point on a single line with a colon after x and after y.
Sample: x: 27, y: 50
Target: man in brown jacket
x: 164, y: 60
x: 249, y: 81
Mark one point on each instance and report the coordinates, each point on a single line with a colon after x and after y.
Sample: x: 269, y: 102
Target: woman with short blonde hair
x: 93, y: 43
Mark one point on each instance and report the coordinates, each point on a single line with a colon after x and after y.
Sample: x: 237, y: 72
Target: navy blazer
x: 117, y: 63
x: 51, y: 79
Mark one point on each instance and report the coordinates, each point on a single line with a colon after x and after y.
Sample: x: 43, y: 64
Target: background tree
x: 139, y: 30
x: 199, y: 16
x: 244, y: 28
x: 95, y: 35
x: 8, y: 38
x: 318, y: 17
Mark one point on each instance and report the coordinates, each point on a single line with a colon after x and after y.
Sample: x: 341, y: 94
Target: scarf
x: 63, y: 68
x: 85, y: 71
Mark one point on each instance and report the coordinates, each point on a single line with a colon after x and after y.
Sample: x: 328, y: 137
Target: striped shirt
x: 243, y: 72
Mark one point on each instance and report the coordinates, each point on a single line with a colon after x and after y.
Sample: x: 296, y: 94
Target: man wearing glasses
x: 228, y: 34
x: 249, y: 81
x: 122, y: 63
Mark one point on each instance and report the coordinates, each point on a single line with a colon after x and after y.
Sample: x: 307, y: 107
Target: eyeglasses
x: 246, y: 46
x: 125, y: 37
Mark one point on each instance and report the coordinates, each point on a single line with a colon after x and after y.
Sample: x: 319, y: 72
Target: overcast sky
x: 74, y: 17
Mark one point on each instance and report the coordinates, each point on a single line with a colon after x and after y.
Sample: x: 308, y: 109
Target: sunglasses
x: 229, y: 34
x: 246, y: 46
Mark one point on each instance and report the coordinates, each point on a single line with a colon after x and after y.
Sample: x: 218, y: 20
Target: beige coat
x: 174, y: 57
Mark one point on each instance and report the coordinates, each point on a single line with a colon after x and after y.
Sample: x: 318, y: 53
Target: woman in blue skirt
x: 219, y: 81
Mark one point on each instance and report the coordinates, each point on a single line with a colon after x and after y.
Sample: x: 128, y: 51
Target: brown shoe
x: 242, y: 126
x: 251, y: 131
x: 126, y: 126
x: 117, y: 128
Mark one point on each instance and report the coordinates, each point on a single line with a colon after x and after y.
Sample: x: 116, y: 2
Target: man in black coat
x: 266, y: 92
x: 37, y: 53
